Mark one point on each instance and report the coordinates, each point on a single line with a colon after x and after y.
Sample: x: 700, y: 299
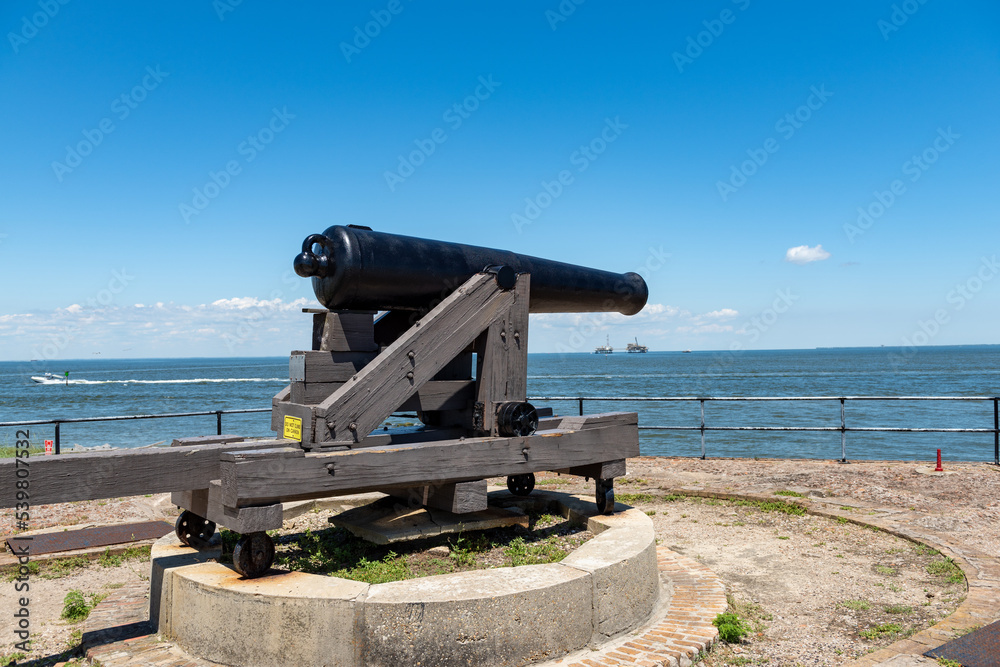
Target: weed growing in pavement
x: 732, y: 630
x: 882, y: 630
x: 856, y: 605
x: 786, y: 492
x: 899, y: 609
x: 77, y: 605
x: 946, y: 567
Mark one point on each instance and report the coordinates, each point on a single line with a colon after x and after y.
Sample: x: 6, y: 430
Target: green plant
x: 784, y: 537
x: 11, y: 658
x: 633, y: 498
x: 108, y: 559
x: 945, y: 662
x: 75, y: 606
x: 883, y: 630
x: 885, y: 570
x: 390, y: 568
x: 898, y: 609
x: 856, y: 605
x: 786, y: 492
x: 946, y: 567
x: 731, y: 627
x: 520, y: 552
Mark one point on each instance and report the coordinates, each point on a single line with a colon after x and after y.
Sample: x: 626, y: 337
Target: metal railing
x: 78, y: 420
x: 844, y: 429
x: 702, y: 427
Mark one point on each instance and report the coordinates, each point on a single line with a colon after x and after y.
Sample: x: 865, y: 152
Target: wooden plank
x: 344, y: 331
x: 384, y: 384
x: 111, y: 474
x: 206, y: 440
x: 312, y: 475
x: 435, y: 395
x: 602, y: 470
x: 502, y: 359
x: 281, y: 397
x: 441, y: 395
x: 207, y: 503
x: 303, y: 412
x: 272, y: 461
x: 458, y: 498
x: 326, y: 366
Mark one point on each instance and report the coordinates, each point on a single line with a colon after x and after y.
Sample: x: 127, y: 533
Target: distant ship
x: 635, y: 347
x: 606, y: 348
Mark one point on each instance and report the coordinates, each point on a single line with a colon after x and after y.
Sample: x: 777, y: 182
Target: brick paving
x: 118, y: 633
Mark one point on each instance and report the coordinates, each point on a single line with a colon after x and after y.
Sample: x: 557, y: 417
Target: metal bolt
x: 411, y: 354
x: 517, y: 335
x: 352, y: 426
x: 330, y: 469
x: 409, y: 376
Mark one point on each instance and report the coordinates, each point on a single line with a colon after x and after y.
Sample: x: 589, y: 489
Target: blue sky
x: 162, y: 164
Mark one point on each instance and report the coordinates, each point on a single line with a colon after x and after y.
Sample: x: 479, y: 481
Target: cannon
x: 408, y: 324
x: 355, y: 268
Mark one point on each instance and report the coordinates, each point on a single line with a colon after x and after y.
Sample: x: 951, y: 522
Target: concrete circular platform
x: 507, y: 616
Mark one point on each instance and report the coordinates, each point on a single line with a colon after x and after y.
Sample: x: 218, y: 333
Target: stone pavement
x: 117, y: 632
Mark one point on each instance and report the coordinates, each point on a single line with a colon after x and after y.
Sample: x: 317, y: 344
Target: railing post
x: 56, y: 438
x: 702, y: 401
x: 843, y: 432
x: 996, y: 430
x: 218, y: 422
x: 581, y: 406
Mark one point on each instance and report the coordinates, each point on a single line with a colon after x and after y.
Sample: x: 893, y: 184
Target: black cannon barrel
x: 355, y: 268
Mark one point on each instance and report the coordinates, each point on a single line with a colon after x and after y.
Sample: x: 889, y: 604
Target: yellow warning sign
x: 293, y: 428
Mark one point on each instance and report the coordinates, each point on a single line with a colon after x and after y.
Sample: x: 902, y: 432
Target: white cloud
x: 803, y: 254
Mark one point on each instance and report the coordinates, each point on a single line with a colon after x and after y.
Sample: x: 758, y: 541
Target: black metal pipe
x: 56, y: 438
x: 355, y: 268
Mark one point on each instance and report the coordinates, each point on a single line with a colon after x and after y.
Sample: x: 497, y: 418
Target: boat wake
x: 47, y: 381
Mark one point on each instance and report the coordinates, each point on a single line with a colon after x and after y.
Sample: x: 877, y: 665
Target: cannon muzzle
x: 355, y: 268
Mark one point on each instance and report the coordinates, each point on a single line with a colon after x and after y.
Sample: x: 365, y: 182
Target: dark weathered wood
x: 303, y: 412
x: 501, y: 362
x: 273, y: 461
x: 602, y: 470
x: 206, y: 440
x: 435, y: 395
x: 459, y: 368
x: 254, y: 481
x: 110, y: 474
x: 207, y: 503
x: 325, y: 366
x: 414, y: 358
x: 344, y: 331
x: 458, y: 498
x: 281, y: 397
x: 313, y: 393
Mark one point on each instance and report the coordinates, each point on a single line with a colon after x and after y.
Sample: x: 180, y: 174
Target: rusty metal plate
x: 980, y: 648
x: 99, y: 536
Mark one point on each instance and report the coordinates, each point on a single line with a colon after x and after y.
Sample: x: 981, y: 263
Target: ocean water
x: 147, y: 386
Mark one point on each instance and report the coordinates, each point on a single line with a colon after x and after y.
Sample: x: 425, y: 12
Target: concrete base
x: 507, y: 616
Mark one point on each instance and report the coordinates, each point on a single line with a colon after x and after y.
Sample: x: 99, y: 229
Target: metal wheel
x: 193, y: 530
x: 253, y: 554
x: 521, y: 485
x: 605, y: 495
x: 516, y: 419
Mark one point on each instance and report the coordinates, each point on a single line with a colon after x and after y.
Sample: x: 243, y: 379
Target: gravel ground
x: 806, y: 595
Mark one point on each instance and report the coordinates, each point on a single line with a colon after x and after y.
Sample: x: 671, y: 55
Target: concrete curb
x: 608, y: 586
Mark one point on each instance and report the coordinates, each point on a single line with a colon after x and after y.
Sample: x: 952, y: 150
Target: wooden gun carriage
x: 451, y: 344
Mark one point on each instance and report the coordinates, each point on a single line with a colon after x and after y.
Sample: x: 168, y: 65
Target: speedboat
x: 48, y: 378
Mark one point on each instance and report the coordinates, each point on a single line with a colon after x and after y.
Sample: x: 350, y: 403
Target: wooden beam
x: 502, y: 359
x: 122, y: 472
x: 457, y: 498
x: 282, y: 396
x: 344, y: 331
x: 253, y: 481
x: 434, y: 395
x: 326, y: 366
x: 414, y: 358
